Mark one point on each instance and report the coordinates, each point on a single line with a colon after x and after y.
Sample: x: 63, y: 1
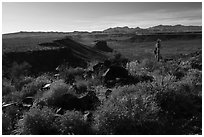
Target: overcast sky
x: 67, y: 16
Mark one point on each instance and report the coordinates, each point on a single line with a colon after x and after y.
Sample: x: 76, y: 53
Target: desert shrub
x: 129, y: 113
x: 23, y: 82
x: 170, y: 68
x: 6, y: 124
x: 72, y: 122
x: 144, y: 78
x: 179, y: 74
x: 178, y: 106
x: 191, y: 83
x: 69, y: 74
x: 12, y: 97
x: 37, y: 122
x: 194, y: 76
x: 10, y: 116
x: 161, y: 68
x: 43, y: 79
x: 149, y: 65
x: 34, y: 87
x: 118, y: 59
x: 31, y: 89
x: 146, y: 66
x: 175, y: 109
x: 178, y: 97
x: 96, y: 80
x: 7, y: 87
x: 140, y: 89
x: 57, y: 89
x: 125, y: 90
x: 133, y: 67
x: 82, y: 86
x: 196, y: 62
x: 18, y: 70
x: 161, y: 81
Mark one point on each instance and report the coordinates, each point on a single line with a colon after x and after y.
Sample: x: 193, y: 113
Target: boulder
x: 115, y: 72
x: 69, y: 102
x: 89, y: 101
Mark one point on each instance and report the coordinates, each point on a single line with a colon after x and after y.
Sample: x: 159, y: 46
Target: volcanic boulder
x: 115, y: 72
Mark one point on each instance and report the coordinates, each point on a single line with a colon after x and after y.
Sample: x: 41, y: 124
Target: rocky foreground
x: 115, y: 96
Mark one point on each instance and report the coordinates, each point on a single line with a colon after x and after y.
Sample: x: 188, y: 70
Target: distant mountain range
x: 155, y: 29
x: 115, y: 30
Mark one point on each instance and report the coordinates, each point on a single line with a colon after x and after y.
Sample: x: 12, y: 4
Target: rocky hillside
x: 53, y: 54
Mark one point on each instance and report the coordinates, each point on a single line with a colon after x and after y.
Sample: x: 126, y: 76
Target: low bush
x: 37, y: 122
x: 6, y: 124
x: 53, y: 97
x: 7, y: 87
x: 178, y: 106
x: 10, y: 117
x: 69, y: 74
x: 129, y: 113
x: 23, y: 82
x: 82, y: 86
x: 118, y: 59
x: 194, y: 76
x: 149, y: 65
x: 19, y: 70
x: 34, y: 87
x: 73, y: 123
x: 31, y: 89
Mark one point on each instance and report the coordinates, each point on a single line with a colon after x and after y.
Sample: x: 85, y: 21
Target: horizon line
x: 52, y: 31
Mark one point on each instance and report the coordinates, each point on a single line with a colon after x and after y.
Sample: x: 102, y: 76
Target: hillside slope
x: 78, y: 49
x: 52, y: 54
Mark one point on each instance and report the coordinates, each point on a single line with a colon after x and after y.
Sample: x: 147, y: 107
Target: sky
x: 90, y: 16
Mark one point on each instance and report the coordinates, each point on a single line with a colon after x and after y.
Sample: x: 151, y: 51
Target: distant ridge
x: 114, y: 30
x: 176, y: 28
x: 154, y: 29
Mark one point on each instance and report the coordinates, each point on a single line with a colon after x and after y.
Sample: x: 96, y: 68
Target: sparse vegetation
x: 73, y: 123
x: 128, y: 112
x: 37, y: 122
x: 153, y: 98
